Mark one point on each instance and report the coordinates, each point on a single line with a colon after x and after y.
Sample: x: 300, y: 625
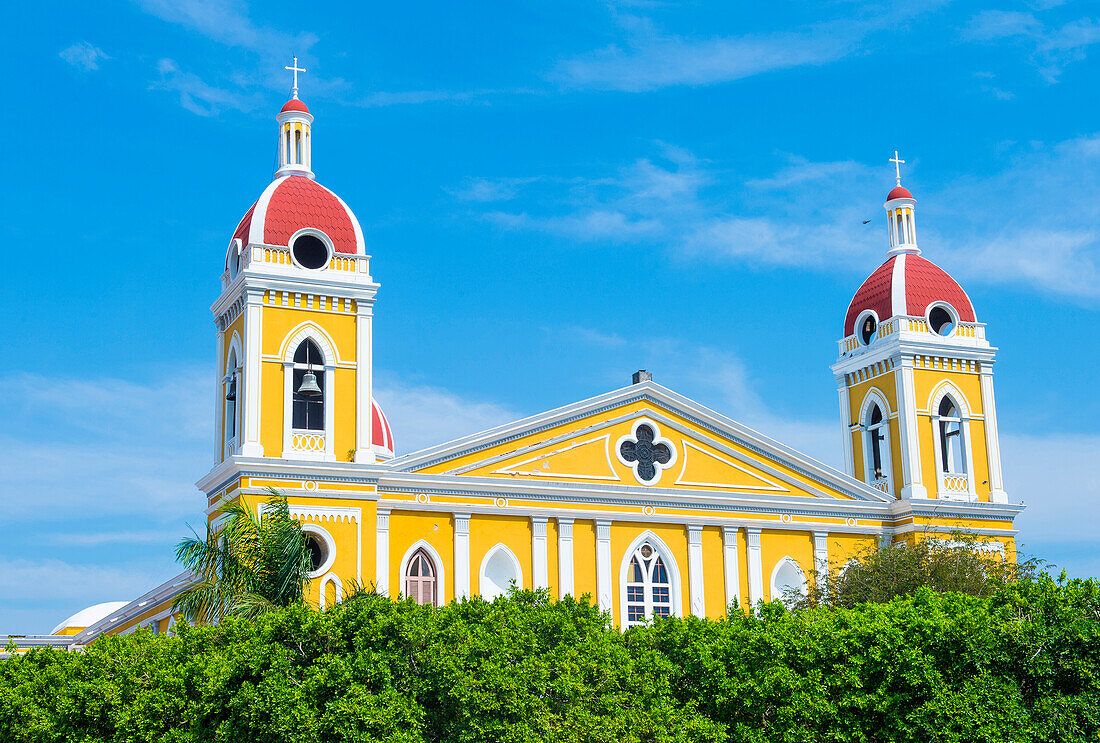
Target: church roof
x: 381, y: 435
x: 907, y: 284
x: 899, y: 192
x: 296, y: 202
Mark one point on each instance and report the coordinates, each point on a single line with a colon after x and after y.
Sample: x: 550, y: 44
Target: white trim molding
x: 603, y: 565
x: 335, y: 581
x: 382, y: 552
x: 755, y: 566
x: 730, y: 566
x: 696, y: 594
x: 565, y: 557
x: 462, y: 556
x: 540, y: 570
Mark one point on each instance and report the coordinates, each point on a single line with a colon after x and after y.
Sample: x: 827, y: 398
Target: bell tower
x: 915, y: 377
x: 294, y: 321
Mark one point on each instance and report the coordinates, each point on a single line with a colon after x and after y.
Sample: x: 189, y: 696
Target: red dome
x: 294, y: 104
x: 907, y: 284
x: 381, y: 435
x: 899, y: 192
x: 294, y: 202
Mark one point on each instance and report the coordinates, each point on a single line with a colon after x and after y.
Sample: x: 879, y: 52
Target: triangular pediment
x: 640, y: 437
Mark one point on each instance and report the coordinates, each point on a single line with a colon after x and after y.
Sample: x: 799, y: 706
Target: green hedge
x: 1022, y: 665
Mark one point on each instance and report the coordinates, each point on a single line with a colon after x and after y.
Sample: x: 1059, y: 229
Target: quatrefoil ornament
x: 646, y: 452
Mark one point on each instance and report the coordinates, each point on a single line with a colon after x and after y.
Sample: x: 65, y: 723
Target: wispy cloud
x: 1054, y: 45
x: 649, y: 59
x: 84, y: 55
x: 423, y: 415
x: 198, y: 96
x: 1040, y: 232
x: 228, y: 22
x: 490, y: 189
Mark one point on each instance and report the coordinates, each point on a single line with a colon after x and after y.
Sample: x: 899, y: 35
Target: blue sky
x: 555, y: 195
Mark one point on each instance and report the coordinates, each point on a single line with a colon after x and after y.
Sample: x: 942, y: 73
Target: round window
x: 318, y: 552
x: 310, y: 251
x: 867, y: 328
x: 941, y: 320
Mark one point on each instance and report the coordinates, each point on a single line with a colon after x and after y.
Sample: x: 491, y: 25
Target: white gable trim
x: 651, y: 391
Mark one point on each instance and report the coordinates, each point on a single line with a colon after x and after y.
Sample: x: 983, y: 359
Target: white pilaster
x: 539, y: 569
x: 253, y: 328
x: 731, y: 567
x: 219, y: 398
x: 603, y: 565
x: 755, y: 567
x: 997, y: 492
x: 363, y: 381
x: 696, y: 597
x: 845, y: 422
x: 462, y: 556
x: 382, y: 553
x: 910, y: 437
x: 821, y: 555
x: 565, y: 557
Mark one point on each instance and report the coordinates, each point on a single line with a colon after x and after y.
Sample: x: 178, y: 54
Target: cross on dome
x: 898, y: 162
x: 296, y: 69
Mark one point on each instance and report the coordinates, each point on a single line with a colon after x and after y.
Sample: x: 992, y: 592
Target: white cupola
x: 295, y: 123
x: 901, y: 221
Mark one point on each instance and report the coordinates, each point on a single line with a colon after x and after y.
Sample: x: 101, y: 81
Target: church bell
x: 309, y: 386
x: 231, y: 392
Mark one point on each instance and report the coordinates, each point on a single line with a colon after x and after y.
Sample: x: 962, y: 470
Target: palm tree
x: 247, y: 565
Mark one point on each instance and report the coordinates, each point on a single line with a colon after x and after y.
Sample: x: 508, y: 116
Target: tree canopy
x: 1022, y: 664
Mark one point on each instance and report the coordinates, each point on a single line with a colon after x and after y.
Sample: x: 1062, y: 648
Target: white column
x: 821, y: 555
x: 363, y: 381
x: 910, y: 437
x: 845, y: 422
x: 219, y: 398
x: 756, y: 567
x: 462, y: 556
x: 565, y: 557
x: 696, y: 596
x: 997, y: 492
x: 382, y: 554
x: 603, y: 565
x: 731, y: 567
x: 253, y: 328
x: 539, y: 570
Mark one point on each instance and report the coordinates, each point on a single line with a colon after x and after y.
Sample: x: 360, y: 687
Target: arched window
x: 308, y: 385
x: 420, y: 578
x: 499, y: 571
x: 952, y: 442
x: 648, y: 586
x: 788, y: 581
x: 231, y: 392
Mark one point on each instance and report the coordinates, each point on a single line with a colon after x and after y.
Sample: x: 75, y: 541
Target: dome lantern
x: 901, y: 215
x: 295, y: 125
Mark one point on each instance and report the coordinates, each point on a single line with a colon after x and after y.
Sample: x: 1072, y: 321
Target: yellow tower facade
x: 915, y: 379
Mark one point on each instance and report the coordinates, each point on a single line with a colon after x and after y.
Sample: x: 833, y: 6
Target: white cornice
x: 137, y: 607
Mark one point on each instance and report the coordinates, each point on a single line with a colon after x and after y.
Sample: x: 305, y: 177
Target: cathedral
x: 647, y: 501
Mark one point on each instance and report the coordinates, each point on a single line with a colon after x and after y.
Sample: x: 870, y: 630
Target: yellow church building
x: 640, y: 497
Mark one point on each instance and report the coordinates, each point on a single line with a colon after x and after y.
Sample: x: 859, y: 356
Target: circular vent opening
x: 310, y: 251
x: 318, y: 552
x: 941, y: 321
x: 867, y: 329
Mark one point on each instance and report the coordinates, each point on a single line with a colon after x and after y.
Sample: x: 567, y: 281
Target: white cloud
x: 490, y: 189
x: 228, y: 22
x: 1040, y: 232
x: 1053, y: 45
x: 423, y: 416
x: 198, y: 96
x: 84, y: 55
x: 649, y: 59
